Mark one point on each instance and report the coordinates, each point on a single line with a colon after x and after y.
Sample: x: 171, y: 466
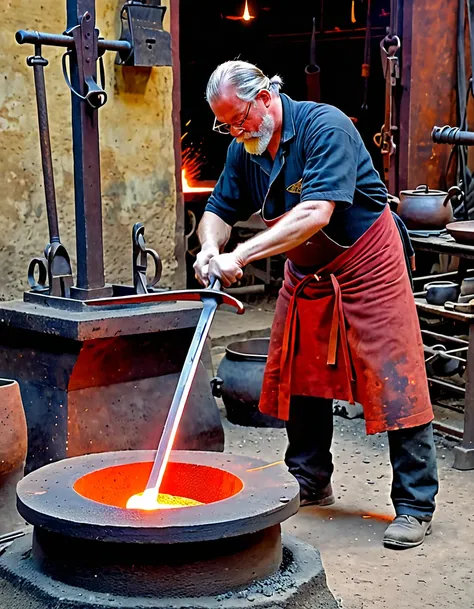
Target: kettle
x: 424, y: 208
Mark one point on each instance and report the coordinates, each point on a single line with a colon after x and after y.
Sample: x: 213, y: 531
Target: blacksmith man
x: 345, y: 324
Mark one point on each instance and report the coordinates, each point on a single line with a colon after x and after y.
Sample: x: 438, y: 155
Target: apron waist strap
x: 338, y: 329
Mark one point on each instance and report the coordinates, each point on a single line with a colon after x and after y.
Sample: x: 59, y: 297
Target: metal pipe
x: 452, y: 135
x: 448, y: 429
x: 453, y: 339
x: 59, y: 40
x: 446, y: 385
x: 38, y: 63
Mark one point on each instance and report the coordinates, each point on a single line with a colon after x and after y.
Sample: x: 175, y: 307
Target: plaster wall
x: 137, y: 154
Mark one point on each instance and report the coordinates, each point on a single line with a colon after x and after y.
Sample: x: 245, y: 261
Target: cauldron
x: 239, y: 380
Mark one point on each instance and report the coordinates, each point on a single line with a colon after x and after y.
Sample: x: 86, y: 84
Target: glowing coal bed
x: 88, y: 550
x: 184, y: 485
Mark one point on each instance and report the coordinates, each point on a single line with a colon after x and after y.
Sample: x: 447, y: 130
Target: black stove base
x: 299, y: 584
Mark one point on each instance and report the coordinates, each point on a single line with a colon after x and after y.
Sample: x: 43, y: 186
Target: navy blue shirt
x: 321, y: 157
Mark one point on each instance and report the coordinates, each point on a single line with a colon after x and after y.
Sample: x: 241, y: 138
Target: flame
x: 188, y: 188
x: 246, y: 16
x: 151, y: 500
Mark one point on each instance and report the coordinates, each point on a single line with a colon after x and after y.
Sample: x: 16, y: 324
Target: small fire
x: 188, y: 188
x: 149, y: 500
x: 245, y: 17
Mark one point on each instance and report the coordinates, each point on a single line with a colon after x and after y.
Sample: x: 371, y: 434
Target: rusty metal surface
x: 179, y: 295
x: 80, y: 372
x: 428, y: 78
x: 46, y: 499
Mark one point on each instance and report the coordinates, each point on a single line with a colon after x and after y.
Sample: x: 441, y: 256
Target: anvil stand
x: 96, y: 380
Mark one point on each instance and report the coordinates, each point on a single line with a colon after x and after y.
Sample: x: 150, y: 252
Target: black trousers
x: 412, y: 455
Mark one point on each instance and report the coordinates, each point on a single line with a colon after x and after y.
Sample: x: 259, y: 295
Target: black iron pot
x: 239, y: 381
x: 440, y: 365
x: 427, y: 208
x: 439, y: 292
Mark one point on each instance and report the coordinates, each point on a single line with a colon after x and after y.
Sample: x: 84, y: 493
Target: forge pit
x: 229, y: 547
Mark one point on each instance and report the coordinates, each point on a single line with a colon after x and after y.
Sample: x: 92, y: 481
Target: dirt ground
x: 360, y: 571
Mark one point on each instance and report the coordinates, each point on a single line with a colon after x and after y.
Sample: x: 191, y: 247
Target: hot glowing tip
x: 150, y: 500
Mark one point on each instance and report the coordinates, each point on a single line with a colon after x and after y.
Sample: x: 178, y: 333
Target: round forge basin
x: 115, y: 485
x: 84, y: 535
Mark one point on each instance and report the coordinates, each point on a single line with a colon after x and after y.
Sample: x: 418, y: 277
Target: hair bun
x: 276, y: 81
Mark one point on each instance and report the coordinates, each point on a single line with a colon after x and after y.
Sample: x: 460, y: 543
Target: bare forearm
x: 213, y: 233
x: 294, y: 228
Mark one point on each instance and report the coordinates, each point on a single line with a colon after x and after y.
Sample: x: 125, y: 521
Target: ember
x: 192, y: 162
x: 149, y: 501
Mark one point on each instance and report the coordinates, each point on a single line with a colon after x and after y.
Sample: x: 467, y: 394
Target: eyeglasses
x: 224, y: 128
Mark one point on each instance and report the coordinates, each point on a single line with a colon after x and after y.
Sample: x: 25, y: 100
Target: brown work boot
x: 324, y: 497
x: 406, y: 532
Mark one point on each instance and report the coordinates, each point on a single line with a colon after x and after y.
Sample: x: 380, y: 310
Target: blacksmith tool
x: 313, y: 71
x: 55, y: 264
x: 86, y: 48
x: 389, y: 47
x: 141, y: 284
x: 211, y: 298
x: 183, y: 387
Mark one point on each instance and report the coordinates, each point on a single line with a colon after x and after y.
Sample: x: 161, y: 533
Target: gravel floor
x: 360, y: 571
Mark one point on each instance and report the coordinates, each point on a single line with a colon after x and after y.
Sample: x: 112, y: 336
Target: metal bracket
x: 85, y: 38
x: 142, y: 27
x: 140, y: 253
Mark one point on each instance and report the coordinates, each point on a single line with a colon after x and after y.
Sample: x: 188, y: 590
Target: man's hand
x: 226, y: 267
x: 201, y: 266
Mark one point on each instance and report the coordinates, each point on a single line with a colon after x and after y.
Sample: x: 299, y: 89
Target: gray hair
x: 245, y: 78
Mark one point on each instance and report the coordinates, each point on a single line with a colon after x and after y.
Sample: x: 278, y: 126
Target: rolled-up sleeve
x: 229, y: 199
x: 331, y: 160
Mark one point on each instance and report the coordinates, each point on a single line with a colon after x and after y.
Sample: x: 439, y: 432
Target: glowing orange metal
x: 148, y: 500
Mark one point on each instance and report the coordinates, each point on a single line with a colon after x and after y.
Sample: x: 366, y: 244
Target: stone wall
x: 138, y: 166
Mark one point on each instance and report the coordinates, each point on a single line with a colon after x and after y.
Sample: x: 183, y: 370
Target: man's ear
x: 266, y: 97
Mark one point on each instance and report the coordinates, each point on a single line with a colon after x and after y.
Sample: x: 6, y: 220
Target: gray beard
x: 256, y: 142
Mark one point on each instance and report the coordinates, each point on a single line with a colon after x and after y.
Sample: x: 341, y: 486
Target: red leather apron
x: 349, y: 331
